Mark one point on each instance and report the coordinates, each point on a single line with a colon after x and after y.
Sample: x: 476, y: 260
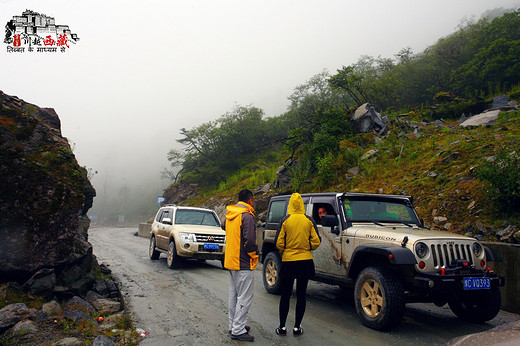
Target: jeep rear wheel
x: 379, y: 298
x: 476, y: 306
x: 172, y: 261
x: 152, y: 252
x: 271, y: 273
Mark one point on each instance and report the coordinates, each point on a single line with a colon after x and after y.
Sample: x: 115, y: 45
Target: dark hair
x: 245, y: 195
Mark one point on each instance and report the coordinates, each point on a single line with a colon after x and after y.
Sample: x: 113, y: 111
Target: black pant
x: 300, y: 271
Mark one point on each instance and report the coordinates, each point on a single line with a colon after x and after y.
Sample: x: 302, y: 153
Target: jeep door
x: 328, y: 257
x: 163, y: 230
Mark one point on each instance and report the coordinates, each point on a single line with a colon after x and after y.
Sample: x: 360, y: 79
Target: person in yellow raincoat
x: 241, y: 258
x: 296, y: 237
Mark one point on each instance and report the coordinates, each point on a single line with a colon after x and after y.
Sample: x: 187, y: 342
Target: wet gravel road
x: 188, y: 306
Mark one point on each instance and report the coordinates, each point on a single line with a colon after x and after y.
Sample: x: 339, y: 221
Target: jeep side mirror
x: 167, y: 221
x: 329, y: 220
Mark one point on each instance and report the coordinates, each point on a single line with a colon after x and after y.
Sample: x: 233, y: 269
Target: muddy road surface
x: 188, y: 306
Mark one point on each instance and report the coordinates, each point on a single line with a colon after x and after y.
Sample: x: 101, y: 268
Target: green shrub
x: 503, y: 177
x: 454, y: 109
x: 326, y: 171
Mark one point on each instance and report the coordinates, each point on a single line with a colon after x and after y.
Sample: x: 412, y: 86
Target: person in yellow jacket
x: 296, y: 237
x: 241, y: 258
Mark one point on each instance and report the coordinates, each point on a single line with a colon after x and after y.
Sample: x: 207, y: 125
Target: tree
x: 176, y: 159
x: 493, y: 68
x: 220, y: 147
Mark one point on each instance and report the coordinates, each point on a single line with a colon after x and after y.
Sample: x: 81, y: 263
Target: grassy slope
x: 449, y: 151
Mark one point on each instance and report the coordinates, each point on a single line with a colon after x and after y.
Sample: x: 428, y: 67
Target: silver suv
x: 377, y: 245
x: 186, y: 232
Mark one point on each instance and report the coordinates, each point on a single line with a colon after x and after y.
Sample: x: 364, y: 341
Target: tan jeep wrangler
x: 377, y: 245
x: 186, y: 232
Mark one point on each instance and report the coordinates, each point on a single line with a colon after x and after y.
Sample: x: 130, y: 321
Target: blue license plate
x: 477, y: 283
x: 210, y: 246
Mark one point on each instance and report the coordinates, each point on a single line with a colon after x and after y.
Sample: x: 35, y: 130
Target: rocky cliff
x: 44, y: 197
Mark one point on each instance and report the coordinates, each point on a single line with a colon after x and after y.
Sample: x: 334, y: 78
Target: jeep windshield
x: 379, y: 210
x: 195, y: 217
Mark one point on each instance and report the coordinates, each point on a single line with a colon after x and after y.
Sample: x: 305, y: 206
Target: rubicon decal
x: 379, y: 237
x: 35, y: 32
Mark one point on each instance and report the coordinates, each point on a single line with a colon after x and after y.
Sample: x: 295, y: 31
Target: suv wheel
x: 271, y: 273
x: 476, y: 306
x: 172, y: 261
x: 152, y: 252
x: 379, y: 298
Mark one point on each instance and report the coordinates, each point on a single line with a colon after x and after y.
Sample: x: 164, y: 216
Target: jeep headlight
x: 477, y: 249
x: 421, y: 249
x: 188, y: 237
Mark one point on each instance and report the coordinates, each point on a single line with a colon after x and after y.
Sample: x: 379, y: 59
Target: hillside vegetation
x: 470, y: 176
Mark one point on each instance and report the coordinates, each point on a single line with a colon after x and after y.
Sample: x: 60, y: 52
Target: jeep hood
x: 396, y: 233
x: 202, y: 229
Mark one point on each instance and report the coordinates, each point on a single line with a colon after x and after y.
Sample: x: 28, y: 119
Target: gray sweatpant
x: 241, y: 289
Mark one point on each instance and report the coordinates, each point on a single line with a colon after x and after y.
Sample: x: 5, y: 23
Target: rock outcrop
x: 367, y: 119
x: 44, y: 197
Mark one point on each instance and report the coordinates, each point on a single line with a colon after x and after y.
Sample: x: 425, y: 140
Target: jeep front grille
x: 444, y: 254
x: 210, y: 238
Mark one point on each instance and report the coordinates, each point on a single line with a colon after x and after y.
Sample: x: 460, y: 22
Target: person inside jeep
x: 322, y: 211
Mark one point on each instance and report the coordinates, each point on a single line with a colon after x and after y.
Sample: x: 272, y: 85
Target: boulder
x: 76, y: 315
x: 69, y: 342
x: 23, y: 328
x: 369, y: 154
x: 482, y: 119
x: 42, y: 283
x: 366, y: 119
x: 76, y: 303
x: 284, y: 174
x: 450, y: 157
x: 11, y: 315
x: 262, y: 189
x: 440, y: 220
x: 52, y: 308
x: 106, y: 306
x: 103, y: 340
x: 113, y: 290
x: 44, y: 196
x: 353, y: 171
x: 499, y: 102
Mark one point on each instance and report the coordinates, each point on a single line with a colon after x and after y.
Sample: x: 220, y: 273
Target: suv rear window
x: 196, y: 217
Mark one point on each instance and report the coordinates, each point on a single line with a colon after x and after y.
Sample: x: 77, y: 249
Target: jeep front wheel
x: 379, y: 298
x: 172, y: 261
x: 476, y: 306
x: 271, y: 273
x: 152, y: 252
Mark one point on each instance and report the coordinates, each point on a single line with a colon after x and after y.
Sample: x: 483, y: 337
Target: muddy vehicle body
x: 377, y: 245
x: 186, y: 232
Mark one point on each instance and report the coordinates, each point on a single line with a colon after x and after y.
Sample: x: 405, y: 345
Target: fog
x: 143, y: 70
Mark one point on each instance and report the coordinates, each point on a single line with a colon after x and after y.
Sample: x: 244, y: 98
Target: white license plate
x: 477, y: 283
x: 210, y: 246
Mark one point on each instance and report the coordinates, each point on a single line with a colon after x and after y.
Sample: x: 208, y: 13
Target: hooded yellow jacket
x: 297, y: 233
x: 241, y: 248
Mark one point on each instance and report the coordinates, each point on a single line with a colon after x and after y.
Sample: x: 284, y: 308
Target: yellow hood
x: 296, y: 204
x: 237, y: 210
